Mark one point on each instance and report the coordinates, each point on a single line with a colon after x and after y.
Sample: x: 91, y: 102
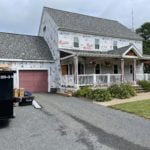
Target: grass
x: 140, y: 108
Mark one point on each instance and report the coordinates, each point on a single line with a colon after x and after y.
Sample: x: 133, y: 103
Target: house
x: 30, y: 57
x: 91, y: 51
x: 74, y: 50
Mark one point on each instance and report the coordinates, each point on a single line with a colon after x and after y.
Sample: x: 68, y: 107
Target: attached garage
x: 31, y: 57
x: 35, y: 81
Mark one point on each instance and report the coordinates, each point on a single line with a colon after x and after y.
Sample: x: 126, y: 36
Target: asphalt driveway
x: 66, y: 123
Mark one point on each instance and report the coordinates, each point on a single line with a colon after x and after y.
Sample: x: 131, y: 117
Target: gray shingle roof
x: 119, y: 51
x: 112, y: 53
x: 90, y: 53
x: 26, y: 47
x: 69, y: 21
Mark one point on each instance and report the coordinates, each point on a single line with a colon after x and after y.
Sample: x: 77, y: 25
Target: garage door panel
x: 34, y: 81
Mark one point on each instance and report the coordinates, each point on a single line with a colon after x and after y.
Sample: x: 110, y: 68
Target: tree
x: 144, y: 32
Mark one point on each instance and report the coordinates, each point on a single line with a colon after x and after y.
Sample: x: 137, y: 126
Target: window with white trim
x: 96, y: 43
x: 76, y: 42
x: 115, y: 45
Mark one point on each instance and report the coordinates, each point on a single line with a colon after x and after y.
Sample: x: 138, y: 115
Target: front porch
x: 101, y: 69
x: 98, y: 80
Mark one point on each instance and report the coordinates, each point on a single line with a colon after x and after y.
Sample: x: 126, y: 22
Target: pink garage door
x: 34, y: 81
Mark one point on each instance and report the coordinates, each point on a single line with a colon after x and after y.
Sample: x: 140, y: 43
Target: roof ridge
x: 96, y: 17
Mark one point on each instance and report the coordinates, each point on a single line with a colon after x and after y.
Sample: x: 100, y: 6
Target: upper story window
x: 115, y: 44
x: 96, y: 43
x: 76, y: 42
x: 44, y: 28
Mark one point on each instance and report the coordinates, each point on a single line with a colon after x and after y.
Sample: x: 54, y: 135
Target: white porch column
x: 108, y: 79
x: 122, y: 70
x: 76, y: 72
x: 134, y: 71
x: 94, y: 79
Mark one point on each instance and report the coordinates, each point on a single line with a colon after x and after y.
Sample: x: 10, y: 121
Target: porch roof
x: 146, y: 57
x: 118, y: 53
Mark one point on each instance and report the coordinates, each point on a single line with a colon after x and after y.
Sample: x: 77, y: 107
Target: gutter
x: 22, y: 60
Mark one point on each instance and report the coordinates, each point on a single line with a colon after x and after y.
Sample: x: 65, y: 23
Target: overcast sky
x: 23, y: 16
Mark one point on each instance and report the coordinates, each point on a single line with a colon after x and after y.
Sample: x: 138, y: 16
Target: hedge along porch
x: 95, y: 68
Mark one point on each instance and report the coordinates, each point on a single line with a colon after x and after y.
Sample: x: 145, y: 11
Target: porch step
x: 139, y: 89
x: 66, y: 92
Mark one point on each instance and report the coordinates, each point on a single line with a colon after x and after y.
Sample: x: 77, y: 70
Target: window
x: 131, y: 69
x: 76, y: 42
x: 97, y: 69
x: 115, y: 44
x: 70, y: 69
x: 80, y: 68
x: 115, y: 69
x: 44, y: 28
x: 96, y: 43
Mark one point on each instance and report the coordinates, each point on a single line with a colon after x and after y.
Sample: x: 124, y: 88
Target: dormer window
x: 76, y: 42
x: 115, y: 45
x: 96, y: 43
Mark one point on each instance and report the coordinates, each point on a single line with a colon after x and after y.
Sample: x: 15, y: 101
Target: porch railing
x: 91, y: 79
x: 98, y: 79
x: 67, y: 80
x: 145, y: 76
x: 86, y: 79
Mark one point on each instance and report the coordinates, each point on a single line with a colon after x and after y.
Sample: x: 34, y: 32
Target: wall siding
x: 51, y: 37
x: 87, y: 42
x: 28, y: 66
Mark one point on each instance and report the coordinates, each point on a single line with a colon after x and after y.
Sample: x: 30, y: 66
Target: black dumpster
x: 6, y: 94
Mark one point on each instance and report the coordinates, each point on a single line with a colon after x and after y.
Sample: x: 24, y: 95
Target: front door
x: 64, y: 69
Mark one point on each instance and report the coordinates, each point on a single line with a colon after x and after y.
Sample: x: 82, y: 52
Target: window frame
x: 76, y: 42
x: 44, y: 29
x: 115, y: 44
x: 70, y: 69
x: 97, y: 44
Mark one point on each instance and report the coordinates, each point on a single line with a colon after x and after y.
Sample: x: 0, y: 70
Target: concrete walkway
x: 139, y: 97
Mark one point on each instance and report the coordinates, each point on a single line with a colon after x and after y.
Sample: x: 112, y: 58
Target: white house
x: 91, y: 51
x: 73, y: 50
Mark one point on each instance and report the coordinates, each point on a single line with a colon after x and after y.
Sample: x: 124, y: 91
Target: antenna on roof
x: 132, y: 19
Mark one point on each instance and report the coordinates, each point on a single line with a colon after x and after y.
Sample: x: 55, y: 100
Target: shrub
x: 84, y: 92
x: 98, y: 94
x: 101, y: 95
x: 145, y: 85
x: 122, y: 91
x: 114, y: 90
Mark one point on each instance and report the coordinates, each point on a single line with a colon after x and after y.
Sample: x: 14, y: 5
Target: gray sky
x: 23, y: 16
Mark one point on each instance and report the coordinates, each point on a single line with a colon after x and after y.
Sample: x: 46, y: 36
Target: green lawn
x: 140, y: 108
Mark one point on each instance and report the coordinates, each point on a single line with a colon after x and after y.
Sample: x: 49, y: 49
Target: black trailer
x: 6, y: 94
